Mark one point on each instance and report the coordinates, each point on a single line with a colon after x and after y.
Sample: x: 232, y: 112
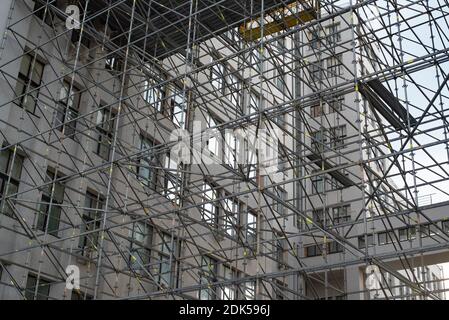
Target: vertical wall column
x: 355, y: 283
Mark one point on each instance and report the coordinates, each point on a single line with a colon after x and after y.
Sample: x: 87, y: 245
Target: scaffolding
x: 100, y: 99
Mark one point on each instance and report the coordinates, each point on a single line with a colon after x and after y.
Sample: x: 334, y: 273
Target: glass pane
x: 100, y: 117
x: 17, y: 167
x: 43, y: 289
x: 53, y: 224
x: 75, y: 98
x: 164, y: 271
x: 4, y: 160
x: 64, y: 92
x: 20, y: 89
x: 30, y: 100
x: 25, y: 65
x: 104, y: 147
x: 144, y: 172
x: 42, y: 215
x: 140, y: 258
x: 58, y: 194
x: 37, y: 72
x: 140, y: 232
x: 166, y: 244
x: 12, y: 189
x: 60, y: 115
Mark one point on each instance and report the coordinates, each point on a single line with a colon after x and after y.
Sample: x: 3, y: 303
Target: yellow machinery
x: 296, y: 13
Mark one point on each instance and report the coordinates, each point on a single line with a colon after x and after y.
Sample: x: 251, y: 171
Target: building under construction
x: 131, y: 139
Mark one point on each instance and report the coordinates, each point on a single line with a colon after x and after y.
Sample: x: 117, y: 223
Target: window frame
x: 108, y: 119
x: 88, y: 243
x: 68, y: 108
x: 7, y: 180
x: 48, y: 200
x: 147, y: 160
x: 30, y: 289
x: 153, y: 94
x: 208, y: 275
x: 210, y: 211
x: 27, y: 82
x: 140, y: 250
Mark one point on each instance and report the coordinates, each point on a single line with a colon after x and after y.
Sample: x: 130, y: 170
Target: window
x: 256, y: 60
x: 279, y: 204
x: 77, y: 36
x: 208, y: 275
x: 37, y: 290
x: 168, y: 248
x: 425, y: 230
x: 10, y: 173
x: 334, y: 247
x: 251, y: 157
x: 50, y: 209
x: 433, y: 230
x: 280, y: 243
x: 140, y: 253
x: 145, y: 171
x: 279, y: 288
x: 251, y: 227
x: 234, y: 90
x: 386, y: 237
x: 280, y: 77
x: 217, y: 77
x: 28, y: 80
x: 172, y: 179
x: 105, y: 127
x: 318, y: 140
x: 113, y: 62
x: 232, y: 210
x: 333, y: 35
x: 313, y: 251
x: 178, y: 108
x: 153, y: 94
x: 428, y: 230
x: 362, y: 243
x: 209, y: 209
x: 79, y: 295
x: 314, y: 39
x: 335, y: 66
x: 382, y: 238
x: 253, y: 104
x: 228, y: 290
x: 280, y: 45
x: 407, y: 234
x: 335, y: 184
x: 279, y: 119
x: 445, y: 226
x: 249, y: 291
x: 281, y: 81
x: 341, y: 214
x: 283, y: 160
x: 318, y: 216
x: 42, y: 11
x: 336, y: 104
x: 318, y: 184
x: 316, y: 71
x: 68, y: 108
x: 214, y: 142
x: 338, y: 135
x: 412, y: 233
x: 231, y: 147
x: 316, y: 111
x: 91, y: 223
